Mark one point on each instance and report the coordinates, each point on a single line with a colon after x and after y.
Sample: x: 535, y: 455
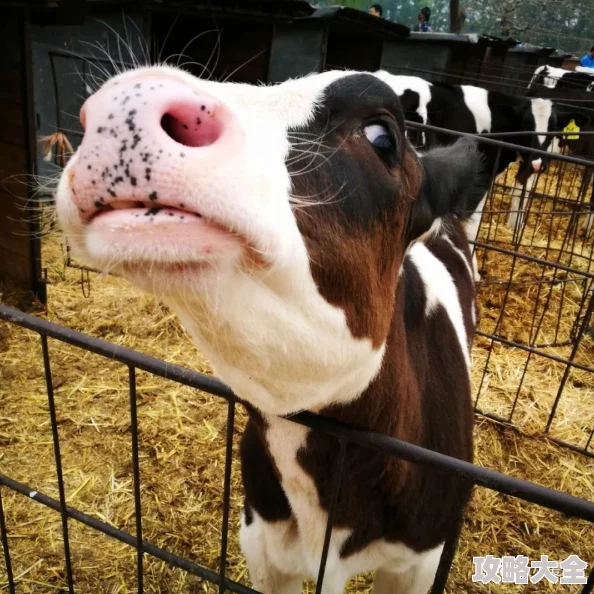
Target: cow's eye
x: 381, y: 138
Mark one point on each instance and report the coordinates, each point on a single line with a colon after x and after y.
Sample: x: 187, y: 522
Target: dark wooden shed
x: 446, y: 57
x: 20, y: 258
x: 519, y: 65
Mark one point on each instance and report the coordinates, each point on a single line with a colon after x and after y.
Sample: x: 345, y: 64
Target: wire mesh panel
x: 346, y: 436
x: 534, y: 353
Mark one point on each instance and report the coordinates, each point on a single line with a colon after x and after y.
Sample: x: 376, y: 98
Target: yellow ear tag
x: 572, y: 127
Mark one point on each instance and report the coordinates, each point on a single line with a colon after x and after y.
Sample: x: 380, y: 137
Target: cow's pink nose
x: 536, y: 165
x: 142, y: 131
x: 188, y: 117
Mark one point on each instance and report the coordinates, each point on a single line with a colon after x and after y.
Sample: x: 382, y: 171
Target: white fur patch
x: 440, y: 290
x: 552, y: 75
x: 542, y: 110
x: 477, y: 100
x: 283, y: 553
x: 401, y: 83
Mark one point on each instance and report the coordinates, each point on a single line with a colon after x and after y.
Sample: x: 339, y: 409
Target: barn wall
x: 416, y: 58
x: 70, y: 61
x: 19, y: 252
x: 297, y: 49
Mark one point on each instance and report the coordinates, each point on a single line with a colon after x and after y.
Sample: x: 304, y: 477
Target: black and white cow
x: 551, y: 77
x: 470, y: 109
x: 310, y: 253
x: 553, y: 84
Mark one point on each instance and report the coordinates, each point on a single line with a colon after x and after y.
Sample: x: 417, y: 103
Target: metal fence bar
x: 6, y: 549
x: 499, y: 143
x: 136, y: 475
x: 447, y: 555
x: 484, y: 477
x: 339, y: 468
x: 582, y: 273
x: 568, y: 368
x: 227, y: 493
x: 120, y: 535
x: 60, y: 475
x: 117, y: 353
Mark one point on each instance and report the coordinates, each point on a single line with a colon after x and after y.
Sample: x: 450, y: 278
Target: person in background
x: 588, y: 60
x: 376, y: 10
x: 423, y: 18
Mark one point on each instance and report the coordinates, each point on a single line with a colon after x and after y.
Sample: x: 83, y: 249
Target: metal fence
x: 536, y: 297
x: 347, y: 438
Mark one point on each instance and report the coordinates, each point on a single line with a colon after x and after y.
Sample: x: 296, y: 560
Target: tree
x: 457, y: 16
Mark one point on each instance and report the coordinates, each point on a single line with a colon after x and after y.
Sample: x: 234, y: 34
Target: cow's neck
x: 391, y: 403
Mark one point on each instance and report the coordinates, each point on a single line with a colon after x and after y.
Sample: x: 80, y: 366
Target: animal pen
x: 117, y: 467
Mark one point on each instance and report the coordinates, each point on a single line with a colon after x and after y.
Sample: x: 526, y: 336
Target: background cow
x: 562, y: 87
x: 311, y: 254
x: 558, y: 78
x: 474, y: 110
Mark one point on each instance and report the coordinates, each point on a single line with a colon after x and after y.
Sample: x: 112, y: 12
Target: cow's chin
x: 184, y: 280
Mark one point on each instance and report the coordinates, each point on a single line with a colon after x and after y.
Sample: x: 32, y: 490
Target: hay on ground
x: 182, y: 448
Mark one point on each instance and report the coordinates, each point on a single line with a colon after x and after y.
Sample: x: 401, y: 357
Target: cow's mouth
x: 175, y: 238
x: 141, y: 208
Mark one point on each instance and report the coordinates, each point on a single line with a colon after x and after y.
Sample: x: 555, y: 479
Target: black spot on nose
x: 153, y: 196
x: 153, y: 211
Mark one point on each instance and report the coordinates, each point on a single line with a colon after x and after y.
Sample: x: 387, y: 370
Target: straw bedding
x: 182, y: 444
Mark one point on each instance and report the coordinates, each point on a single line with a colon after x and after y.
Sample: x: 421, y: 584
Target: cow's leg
x: 555, y: 146
x: 416, y: 579
x: 272, y: 553
x: 516, y: 214
x: 472, y: 229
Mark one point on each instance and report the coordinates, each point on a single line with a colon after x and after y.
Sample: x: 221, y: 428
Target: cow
x: 313, y: 256
x: 556, y: 84
x: 550, y: 77
x: 470, y: 109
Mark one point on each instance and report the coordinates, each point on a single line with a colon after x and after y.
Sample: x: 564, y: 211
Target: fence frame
x: 476, y: 475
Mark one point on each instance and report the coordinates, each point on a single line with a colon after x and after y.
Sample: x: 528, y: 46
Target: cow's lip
x: 102, y: 208
x: 120, y: 220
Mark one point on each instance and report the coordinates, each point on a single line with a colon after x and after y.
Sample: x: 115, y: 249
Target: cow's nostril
x: 191, y: 128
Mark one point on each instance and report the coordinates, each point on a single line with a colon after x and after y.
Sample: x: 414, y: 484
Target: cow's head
x: 273, y: 220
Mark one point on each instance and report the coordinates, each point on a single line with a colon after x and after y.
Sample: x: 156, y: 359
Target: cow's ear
x: 454, y: 182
